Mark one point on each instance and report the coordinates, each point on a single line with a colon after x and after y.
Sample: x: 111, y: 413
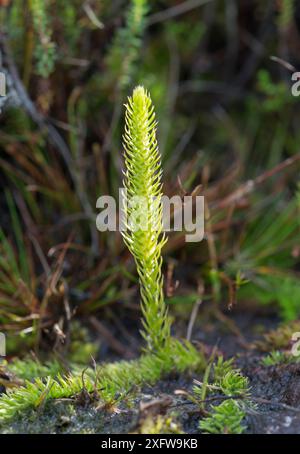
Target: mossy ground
x: 274, y: 389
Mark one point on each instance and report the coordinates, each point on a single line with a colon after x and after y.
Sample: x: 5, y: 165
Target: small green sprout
x: 276, y: 358
x: 225, y: 418
x: 221, y: 368
x: 234, y: 384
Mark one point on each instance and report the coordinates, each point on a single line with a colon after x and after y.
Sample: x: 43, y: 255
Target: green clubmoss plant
x: 277, y: 358
x: 164, y: 354
x: 227, y: 417
x: 127, y: 44
x: 143, y: 187
x: 45, y: 51
x: 113, y: 381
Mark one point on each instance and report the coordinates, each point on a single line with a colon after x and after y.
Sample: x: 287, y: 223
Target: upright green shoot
x: 127, y: 44
x: 45, y: 51
x: 143, y: 204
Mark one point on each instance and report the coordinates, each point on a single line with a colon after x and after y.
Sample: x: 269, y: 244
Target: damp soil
x: 275, y: 390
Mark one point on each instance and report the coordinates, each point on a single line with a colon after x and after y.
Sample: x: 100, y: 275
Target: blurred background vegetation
x: 228, y: 129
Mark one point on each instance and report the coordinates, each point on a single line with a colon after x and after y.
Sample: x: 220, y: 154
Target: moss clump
x: 111, y: 381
